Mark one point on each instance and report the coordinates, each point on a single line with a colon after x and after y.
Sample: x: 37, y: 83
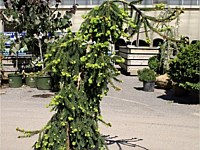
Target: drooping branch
x: 141, y: 18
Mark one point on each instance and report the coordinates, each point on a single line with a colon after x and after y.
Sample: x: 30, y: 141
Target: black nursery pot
x: 149, y: 86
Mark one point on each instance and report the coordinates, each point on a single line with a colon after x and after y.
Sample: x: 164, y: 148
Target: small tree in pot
x: 148, y: 77
x: 3, y: 39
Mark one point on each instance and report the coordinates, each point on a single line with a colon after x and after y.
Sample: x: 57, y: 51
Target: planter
x: 43, y: 82
x: 15, y: 80
x: 31, y: 81
x: 149, y: 86
x: 136, y: 57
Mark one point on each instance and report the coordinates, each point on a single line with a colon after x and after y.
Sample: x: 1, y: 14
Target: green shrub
x: 154, y: 63
x: 185, y: 67
x: 191, y: 86
x: 146, y: 75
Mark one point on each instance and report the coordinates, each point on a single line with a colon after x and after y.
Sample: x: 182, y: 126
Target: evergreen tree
x: 86, y: 69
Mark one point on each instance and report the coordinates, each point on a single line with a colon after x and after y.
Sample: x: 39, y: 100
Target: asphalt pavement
x: 140, y: 120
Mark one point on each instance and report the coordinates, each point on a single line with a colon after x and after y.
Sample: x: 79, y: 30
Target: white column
x: 1, y: 27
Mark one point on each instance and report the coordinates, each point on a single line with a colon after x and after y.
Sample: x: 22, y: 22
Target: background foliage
x: 38, y: 19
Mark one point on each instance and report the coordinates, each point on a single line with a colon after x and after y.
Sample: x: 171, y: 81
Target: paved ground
x: 154, y: 122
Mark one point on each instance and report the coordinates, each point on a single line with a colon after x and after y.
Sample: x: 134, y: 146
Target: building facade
x: 189, y: 21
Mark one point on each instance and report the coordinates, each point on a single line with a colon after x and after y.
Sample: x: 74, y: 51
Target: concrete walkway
x: 140, y: 120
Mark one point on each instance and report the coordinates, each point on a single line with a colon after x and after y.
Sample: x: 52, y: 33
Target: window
x: 147, y: 2
x: 67, y: 2
x: 84, y: 2
x: 144, y: 2
x: 97, y: 2
x: 1, y: 3
x: 175, y: 2
x: 190, y: 2
x: 160, y: 1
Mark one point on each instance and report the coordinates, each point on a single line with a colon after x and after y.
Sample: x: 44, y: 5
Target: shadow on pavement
x: 110, y: 140
x: 139, y: 88
x: 43, y: 95
x: 123, y: 72
x: 187, y: 99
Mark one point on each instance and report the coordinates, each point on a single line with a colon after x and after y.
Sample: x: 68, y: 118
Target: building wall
x: 189, y: 24
x: 77, y: 19
x: 189, y: 21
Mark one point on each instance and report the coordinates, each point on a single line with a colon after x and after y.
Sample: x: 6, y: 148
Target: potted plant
x: 44, y: 82
x: 39, y: 24
x: 15, y: 80
x: 148, y: 77
x: 3, y: 39
x: 30, y: 79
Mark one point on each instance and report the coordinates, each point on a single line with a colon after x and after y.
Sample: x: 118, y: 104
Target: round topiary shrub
x: 146, y: 75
